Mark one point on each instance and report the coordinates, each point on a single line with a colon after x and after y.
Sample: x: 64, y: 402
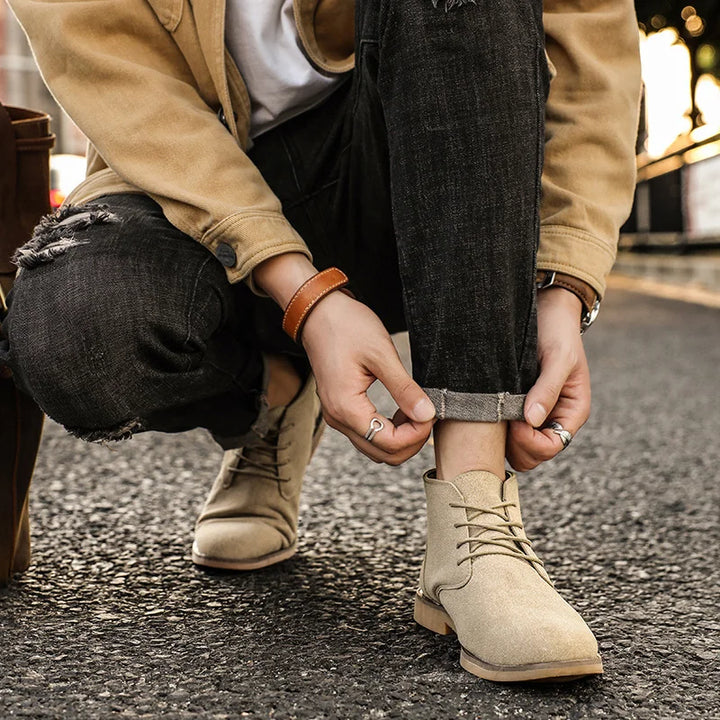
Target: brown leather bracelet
x: 308, y: 295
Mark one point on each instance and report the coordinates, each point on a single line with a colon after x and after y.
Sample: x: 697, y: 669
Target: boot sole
x: 434, y: 618
x: 247, y: 564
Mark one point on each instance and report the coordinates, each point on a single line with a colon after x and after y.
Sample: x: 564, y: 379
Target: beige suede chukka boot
x: 482, y: 580
x: 250, y: 517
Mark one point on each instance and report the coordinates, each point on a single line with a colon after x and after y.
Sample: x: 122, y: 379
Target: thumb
x: 404, y: 390
x: 543, y: 396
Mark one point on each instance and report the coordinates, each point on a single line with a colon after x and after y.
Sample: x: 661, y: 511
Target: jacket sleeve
x: 591, y: 126
x: 123, y: 80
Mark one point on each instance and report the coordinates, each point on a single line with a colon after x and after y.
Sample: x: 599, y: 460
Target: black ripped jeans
x: 419, y: 177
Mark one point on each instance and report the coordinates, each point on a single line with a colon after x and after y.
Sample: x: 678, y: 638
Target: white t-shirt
x: 262, y: 38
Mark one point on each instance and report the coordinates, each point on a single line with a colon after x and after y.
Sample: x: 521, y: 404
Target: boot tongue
x: 274, y: 420
x: 260, y: 448
x: 482, y: 490
x: 485, y: 490
x: 268, y: 426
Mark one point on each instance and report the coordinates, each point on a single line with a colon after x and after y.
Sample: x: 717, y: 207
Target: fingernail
x: 536, y: 414
x: 424, y: 411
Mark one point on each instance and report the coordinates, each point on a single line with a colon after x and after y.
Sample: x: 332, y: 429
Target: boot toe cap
x: 520, y: 639
x: 236, y: 541
x: 518, y: 620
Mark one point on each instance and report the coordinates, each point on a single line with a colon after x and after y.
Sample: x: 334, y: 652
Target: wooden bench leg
x: 20, y: 430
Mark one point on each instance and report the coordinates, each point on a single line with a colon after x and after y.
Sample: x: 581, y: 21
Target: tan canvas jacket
x: 145, y: 80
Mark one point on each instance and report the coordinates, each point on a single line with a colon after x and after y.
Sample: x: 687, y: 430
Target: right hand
x: 349, y: 348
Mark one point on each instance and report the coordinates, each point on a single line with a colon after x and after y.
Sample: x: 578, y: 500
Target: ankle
x: 284, y: 381
x: 464, y: 446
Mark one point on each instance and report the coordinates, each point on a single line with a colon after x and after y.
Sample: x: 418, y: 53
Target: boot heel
x: 432, y: 617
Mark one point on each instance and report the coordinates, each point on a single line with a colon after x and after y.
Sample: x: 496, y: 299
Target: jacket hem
x: 270, y: 231
x: 577, y: 253
x: 102, y: 182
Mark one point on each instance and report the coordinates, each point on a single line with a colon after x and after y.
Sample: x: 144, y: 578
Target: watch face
x: 589, y: 317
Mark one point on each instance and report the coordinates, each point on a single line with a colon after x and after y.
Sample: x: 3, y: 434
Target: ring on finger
x: 376, y: 425
x: 564, y: 435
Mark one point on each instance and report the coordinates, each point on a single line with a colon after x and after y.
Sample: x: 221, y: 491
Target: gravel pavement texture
x: 113, y: 620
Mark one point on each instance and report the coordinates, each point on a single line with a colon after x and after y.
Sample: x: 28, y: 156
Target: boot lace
x: 260, y: 459
x: 501, y: 538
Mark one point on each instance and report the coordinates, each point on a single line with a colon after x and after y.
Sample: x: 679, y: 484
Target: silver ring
x: 376, y: 426
x: 564, y: 435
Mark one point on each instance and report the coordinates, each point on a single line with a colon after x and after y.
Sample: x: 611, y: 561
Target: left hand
x: 562, y: 390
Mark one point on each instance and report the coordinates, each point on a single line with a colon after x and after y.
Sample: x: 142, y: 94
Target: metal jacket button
x: 226, y: 255
x: 223, y: 119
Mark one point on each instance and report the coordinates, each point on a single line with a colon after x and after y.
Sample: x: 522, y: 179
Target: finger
x: 573, y: 409
x: 354, y: 418
x: 520, y: 462
x: 516, y: 454
x: 529, y: 445
x: 544, y: 394
x: 392, y: 440
x: 378, y: 455
x: 400, y: 417
x: 373, y: 451
x: 408, y: 395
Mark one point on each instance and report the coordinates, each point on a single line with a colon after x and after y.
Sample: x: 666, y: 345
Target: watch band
x: 551, y: 278
x: 308, y: 295
x: 586, y: 294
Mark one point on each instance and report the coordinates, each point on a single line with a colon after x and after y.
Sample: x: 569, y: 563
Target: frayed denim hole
x: 123, y: 431
x: 450, y: 4
x: 55, y: 233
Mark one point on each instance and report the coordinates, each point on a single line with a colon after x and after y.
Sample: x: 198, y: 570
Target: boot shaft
x: 475, y: 514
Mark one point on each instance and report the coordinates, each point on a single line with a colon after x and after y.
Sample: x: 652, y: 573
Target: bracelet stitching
x: 311, y: 304
x: 313, y: 300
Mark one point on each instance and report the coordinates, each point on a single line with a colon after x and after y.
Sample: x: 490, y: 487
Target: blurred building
x: 677, y: 203
x: 21, y: 84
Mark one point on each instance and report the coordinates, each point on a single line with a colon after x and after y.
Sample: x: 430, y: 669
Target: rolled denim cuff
x: 476, y: 407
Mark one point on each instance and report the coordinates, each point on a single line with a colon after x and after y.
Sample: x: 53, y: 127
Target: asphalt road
x: 113, y: 620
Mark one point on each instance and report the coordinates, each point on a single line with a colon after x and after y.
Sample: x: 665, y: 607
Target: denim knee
x: 102, y: 331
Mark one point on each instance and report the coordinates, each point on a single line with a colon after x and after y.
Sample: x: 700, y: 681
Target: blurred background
x: 673, y: 234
